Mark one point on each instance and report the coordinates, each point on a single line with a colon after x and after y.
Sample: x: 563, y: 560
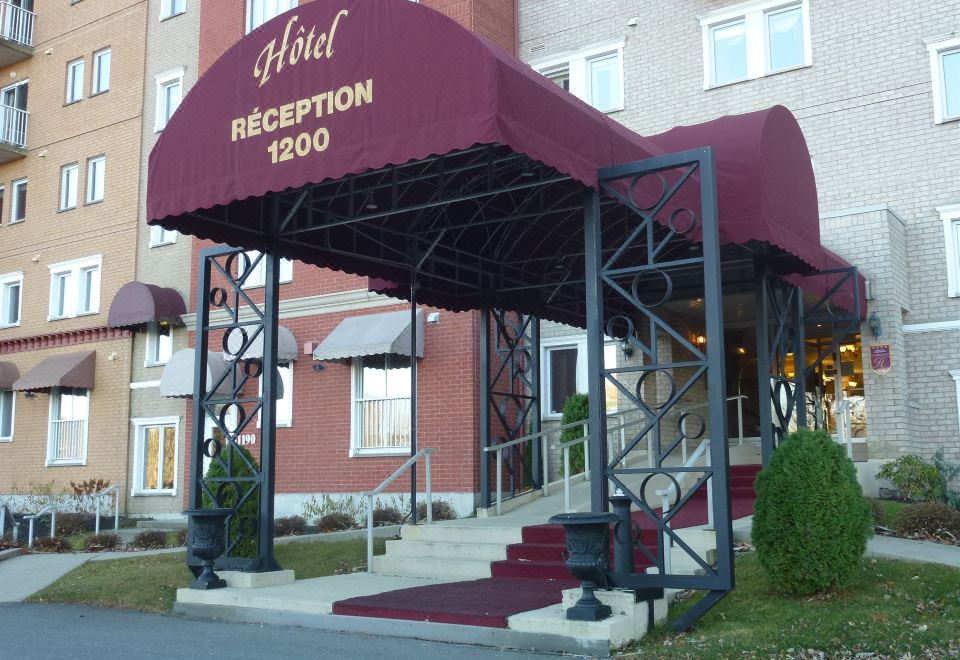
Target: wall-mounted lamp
x: 318, y: 366
x: 433, y: 317
x: 29, y: 395
x: 875, y: 326
x: 626, y: 348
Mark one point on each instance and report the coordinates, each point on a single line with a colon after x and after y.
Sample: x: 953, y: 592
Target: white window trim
x: 15, y: 277
x: 258, y: 279
x: 50, y: 462
x: 95, y: 72
x: 14, y: 200
x: 153, y: 336
x: 13, y: 419
x: 139, y: 424
x: 287, y: 392
x: 102, y: 159
x: 937, y: 47
x: 64, y: 205
x: 163, y: 79
x: 355, y: 449
x: 248, y: 17
x: 754, y: 14
x: 577, y: 64
x: 156, y: 232
x: 78, y: 90
x: 578, y: 342
x: 950, y: 217
x: 166, y: 9
x: 74, y: 267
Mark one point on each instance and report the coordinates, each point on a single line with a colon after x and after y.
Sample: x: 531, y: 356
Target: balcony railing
x: 16, y: 23
x: 68, y: 441
x: 13, y: 125
x: 385, y: 423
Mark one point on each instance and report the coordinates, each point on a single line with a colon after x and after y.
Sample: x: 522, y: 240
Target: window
x: 258, y: 274
x: 170, y: 8
x: 155, y: 456
x: 75, y: 288
x: 564, y: 372
x: 161, y: 236
x: 18, y: 205
x: 96, y: 174
x: 69, y: 175
x: 945, y: 71
x: 594, y: 75
x: 169, y: 95
x: 101, y: 72
x: 7, y: 403
x: 67, y: 436
x: 74, y: 81
x: 285, y: 404
x: 2, y: 194
x: 159, y: 344
x: 13, y: 119
x: 261, y: 11
x: 950, y: 216
x: 11, y: 294
x: 754, y: 39
x: 381, y: 409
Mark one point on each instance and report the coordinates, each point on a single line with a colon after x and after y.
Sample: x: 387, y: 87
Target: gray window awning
x: 286, y: 345
x: 67, y: 370
x: 9, y: 374
x: 176, y: 382
x: 371, y: 334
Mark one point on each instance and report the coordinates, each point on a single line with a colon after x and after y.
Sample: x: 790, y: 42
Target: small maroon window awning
x: 9, y: 374
x: 69, y: 370
x: 137, y: 303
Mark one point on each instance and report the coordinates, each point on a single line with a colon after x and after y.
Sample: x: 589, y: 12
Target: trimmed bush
x: 153, y: 540
x: 336, y: 522
x: 442, y: 510
x: 575, y: 409
x: 290, y: 526
x: 386, y: 515
x: 877, y: 513
x: 47, y: 544
x: 181, y: 537
x: 101, y: 542
x: 916, y: 479
x: 69, y: 524
x: 249, y: 510
x: 810, y: 521
x: 928, y: 519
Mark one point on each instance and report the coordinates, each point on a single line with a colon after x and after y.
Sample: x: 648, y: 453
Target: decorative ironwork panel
x: 653, y: 283
x: 231, y: 390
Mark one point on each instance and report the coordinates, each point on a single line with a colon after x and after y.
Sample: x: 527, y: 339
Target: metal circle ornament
x: 232, y: 347
x: 212, y: 447
x: 218, y: 297
x: 253, y: 367
x: 224, y: 414
x: 620, y: 328
x: 643, y: 379
x: 639, y: 286
x: 635, y: 187
x: 701, y: 429
x: 240, y: 269
x: 224, y: 491
x: 673, y: 221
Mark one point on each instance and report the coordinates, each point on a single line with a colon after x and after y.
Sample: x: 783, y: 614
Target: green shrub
x: 950, y: 473
x: 181, y: 538
x: 927, y: 519
x: 69, y: 524
x: 386, y: 515
x: 101, y: 542
x: 442, y: 510
x: 47, y: 544
x: 916, y: 479
x: 336, y: 522
x: 153, y: 540
x: 249, y: 510
x: 290, y: 526
x: 810, y: 521
x: 877, y: 512
x: 575, y: 409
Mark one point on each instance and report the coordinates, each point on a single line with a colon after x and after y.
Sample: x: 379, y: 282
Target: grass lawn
x: 893, y: 608
x: 890, y: 510
x: 150, y: 583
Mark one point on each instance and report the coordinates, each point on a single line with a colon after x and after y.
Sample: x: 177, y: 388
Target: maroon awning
x: 137, y: 303
x: 8, y: 375
x: 68, y: 370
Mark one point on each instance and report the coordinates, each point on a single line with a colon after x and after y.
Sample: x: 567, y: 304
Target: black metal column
x: 799, y: 359
x: 484, y: 409
x: 765, y: 392
x: 596, y: 389
x: 413, y: 394
x: 539, y: 478
x: 268, y: 422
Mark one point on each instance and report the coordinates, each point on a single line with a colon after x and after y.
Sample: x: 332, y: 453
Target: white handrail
x: 52, y: 510
x: 738, y: 398
x: 665, y: 494
x: 16, y: 23
x: 115, y: 489
x: 3, y: 522
x: 844, y: 426
x: 424, y: 453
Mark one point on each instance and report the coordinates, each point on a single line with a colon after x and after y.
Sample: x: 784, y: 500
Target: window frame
x: 755, y: 15
x: 577, y: 65
x: 259, y: 277
x: 140, y: 426
x: 248, y: 17
x: 547, y: 344
x: 167, y: 8
x: 153, y: 357
x: 6, y: 281
x: 287, y: 385
x: 356, y: 387
x: 91, y: 180
x: 164, y: 80
x: 74, y: 90
x: 96, y: 77
x: 15, y: 209
x: 73, y: 270
x: 13, y: 416
x: 950, y: 218
x: 937, y: 49
x: 69, y: 204
x: 158, y: 236
x: 55, y: 398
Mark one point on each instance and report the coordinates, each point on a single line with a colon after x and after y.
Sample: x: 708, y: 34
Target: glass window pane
x: 605, y: 83
x: 785, y: 31
x: 169, y: 456
x: 398, y: 376
x: 729, y: 52
x: 373, y: 377
x: 951, y: 82
x: 6, y: 414
x: 610, y: 362
x: 151, y: 456
x: 560, y: 77
x: 20, y: 201
x: 563, y: 377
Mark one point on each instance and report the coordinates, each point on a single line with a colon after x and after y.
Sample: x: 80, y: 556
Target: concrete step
x: 431, y: 567
x: 462, y: 533
x: 444, y: 550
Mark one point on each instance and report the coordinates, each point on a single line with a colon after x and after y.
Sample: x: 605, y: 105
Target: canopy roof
x: 371, y: 334
x: 67, y: 370
x: 8, y: 375
x: 370, y: 130
x: 137, y: 303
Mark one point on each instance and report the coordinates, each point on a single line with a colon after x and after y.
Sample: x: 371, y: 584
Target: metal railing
x: 425, y: 454
x: 16, y: 23
x: 845, y: 426
x: 98, y: 497
x: 669, y: 491
x: 68, y: 440
x: 13, y: 125
x: 4, y: 516
x: 740, y: 398
x: 386, y: 422
x: 50, y: 509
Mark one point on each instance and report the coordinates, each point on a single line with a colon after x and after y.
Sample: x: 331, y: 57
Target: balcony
x: 16, y: 33
x: 67, y: 442
x: 13, y: 133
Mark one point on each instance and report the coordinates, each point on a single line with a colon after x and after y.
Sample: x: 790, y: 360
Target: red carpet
x: 533, y: 576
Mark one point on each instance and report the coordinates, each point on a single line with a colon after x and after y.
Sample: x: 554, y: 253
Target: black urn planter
x: 207, y: 541
x: 588, y: 559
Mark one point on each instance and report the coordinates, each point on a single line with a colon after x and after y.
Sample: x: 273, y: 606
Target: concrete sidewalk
x: 23, y: 576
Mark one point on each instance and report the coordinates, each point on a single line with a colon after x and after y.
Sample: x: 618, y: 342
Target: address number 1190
x: 299, y: 146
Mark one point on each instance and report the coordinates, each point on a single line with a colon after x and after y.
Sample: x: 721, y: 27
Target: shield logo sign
x: 881, y: 358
